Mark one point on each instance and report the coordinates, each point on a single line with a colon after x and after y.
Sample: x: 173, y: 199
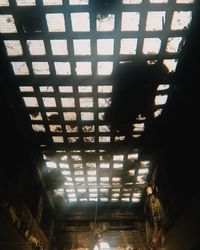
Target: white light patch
x: 118, y: 165
x: 69, y: 116
x: 128, y: 46
x: 86, y: 102
x: 26, y: 2
x: 13, y: 47
x: 132, y: 172
x: 55, y: 22
x: 105, y: 23
x: 62, y: 68
x: 80, y: 22
x: 64, y: 165
x: 130, y: 21
x: 49, y: 101
x: 160, y: 99
x: 118, y: 157
x: 55, y: 128
x: 36, y: 116
x: 104, y: 128
x: 4, y: 3
x: 78, y: 2
x: 7, y: 24
x: 105, y: 46
x: 68, y: 102
x: 163, y: 87
x: 157, y: 112
x: 59, y: 47
x: 135, y: 200
x: 133, y: 157
x: 72, y: 139
x: 83, y: 68
x: 104, y: 68
x: 41, y: 68
x: 151, y: 45
x: 143, y: 171
x: 52, y: 2
x: 87, y: 116
x: 181, y: 20
x: 30, y: 101
x: 155, y: 20
x: 103, y: 199
x: 171, y: 64
x: 82, y: 47
x: 132, y: 1
x: 20, y: 68
x: 173, y: 44
x: 36, y: 47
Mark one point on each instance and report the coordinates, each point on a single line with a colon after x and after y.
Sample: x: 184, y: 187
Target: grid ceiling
x: 62, y: 55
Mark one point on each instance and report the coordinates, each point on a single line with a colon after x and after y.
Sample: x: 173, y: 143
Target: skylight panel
x: 49, y: 101
x: 128, y: 46
x: 13, y: 47
x: 80, y: 22
x: 26, y: 89
x: 57, y: 139
x: 91, y: 172
x: 55, y: 128
x: 104, y: 102
x: 68, y: 102
x: 105, y: 89
x: 65, y: 89
x: 62, y: 68
x: 20, y: 68
x: 83, y: 68
x: 87, y: 116
x: 118, y: 157
x: 104, y: 68
x: 157, y: 112
x: 78, y: 2
x: 26, y: 2
x: 88, y: 129
x: 36, y: 116
x: 181, y: 20
x: 55, y: 22
x: 51, y: 164
x: 73, y: 139
x: 160, y: 99
x: 46, y: 89
x: 158, y: 1
x: 59, y: 47
x: 105, y: 46
x: 104, y: 128
x: 82, y: 47
x: 133, y: 157
x: 104, y: 165
x: 105, y: 23
x: 69, y: 116
x: 135, y: 200
x: 64, y: 165
x: 171, y: 64
x: 151, y: 45
x: 7, y: 24
x: 130, y: 21
x: 185, y: 1
x: 86, y: 102
x: 143, y: 171
x: 30, y: 101
x: 38, y: 127
x: 104, y: 138
x: 103, y: 199
x: 155, y: 20
x: 84, y: 89
x: 41, y: 68
x: 71, y: 129
x: 173, y: 44
x: 4, y: 3
x: 52, y: 2
x: 131, y: 172
x: 36, y: 47
x: 132, y: 1
x: 118, y: 165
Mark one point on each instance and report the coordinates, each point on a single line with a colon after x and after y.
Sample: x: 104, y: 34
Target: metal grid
x: 62, y: 54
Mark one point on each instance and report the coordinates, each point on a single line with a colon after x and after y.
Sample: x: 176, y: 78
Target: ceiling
x: 62, y: 54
